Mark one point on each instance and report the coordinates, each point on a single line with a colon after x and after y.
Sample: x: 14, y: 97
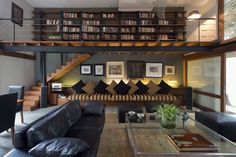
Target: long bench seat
x: 127, y: 97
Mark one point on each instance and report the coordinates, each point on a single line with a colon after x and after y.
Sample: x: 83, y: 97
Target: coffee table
x: 149, y: 139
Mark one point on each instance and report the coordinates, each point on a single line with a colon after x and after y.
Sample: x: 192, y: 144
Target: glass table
x: 148, y: 139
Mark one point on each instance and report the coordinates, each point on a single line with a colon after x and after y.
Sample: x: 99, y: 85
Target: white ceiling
x: 104, y: 3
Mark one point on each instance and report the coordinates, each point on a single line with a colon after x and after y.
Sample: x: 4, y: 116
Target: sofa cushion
x: 142, y: 89
x: 92, y: 108
x: 122, y: 88
x: 78, y: 87
x: 73, y: 111
x: 110, y: 88
x: 152, y: 88
x: 55, y: 125
x: 101, y: 87
x: 89, y: 87
x: 165, y: 88
x: 59, y: 147
x: 133, y: 87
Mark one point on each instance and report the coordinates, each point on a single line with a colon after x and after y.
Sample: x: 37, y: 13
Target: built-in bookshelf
x: 110, y: 26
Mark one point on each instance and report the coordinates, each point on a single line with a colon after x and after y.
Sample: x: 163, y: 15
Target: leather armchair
x: 7, y: 113
x: 20, y: 99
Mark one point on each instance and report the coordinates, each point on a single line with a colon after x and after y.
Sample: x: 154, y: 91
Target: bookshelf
x: 110, y: 26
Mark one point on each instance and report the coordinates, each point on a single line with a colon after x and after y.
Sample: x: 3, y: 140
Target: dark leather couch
x: 222, y: 123
x: 87, y: 127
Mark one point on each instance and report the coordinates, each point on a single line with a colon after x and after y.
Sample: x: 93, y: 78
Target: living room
x: 121, y: 56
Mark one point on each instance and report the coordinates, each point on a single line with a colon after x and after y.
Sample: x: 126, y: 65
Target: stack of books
x: 192, y: 143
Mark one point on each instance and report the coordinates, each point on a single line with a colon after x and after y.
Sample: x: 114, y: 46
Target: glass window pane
x: 206, y: 101
x: 204, y: 75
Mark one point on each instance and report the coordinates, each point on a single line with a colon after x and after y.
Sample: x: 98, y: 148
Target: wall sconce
x: 195, y: 14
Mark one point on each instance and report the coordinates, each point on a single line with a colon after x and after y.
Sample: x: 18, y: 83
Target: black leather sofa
x: 87, y: 127
x: 222, y: 123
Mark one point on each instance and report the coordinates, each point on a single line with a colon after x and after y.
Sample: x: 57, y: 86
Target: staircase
x: 32, y: 97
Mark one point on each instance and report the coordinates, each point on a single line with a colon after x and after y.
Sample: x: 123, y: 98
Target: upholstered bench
x: 222, y: 123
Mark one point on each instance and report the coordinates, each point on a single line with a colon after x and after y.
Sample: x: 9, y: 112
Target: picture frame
x: 135, y: 69
x: 154, y: 70
x: 115, y: 70
x: 17, y: 14
x: 99, y: 69
x: 86, y: 69
x: 169, y: 70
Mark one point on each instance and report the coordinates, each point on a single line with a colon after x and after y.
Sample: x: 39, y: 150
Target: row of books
x: 90, y: 29
x: 147, y: 15
x: 127, y: 37
x: 87, y: 36
x: 147, y: 37
x: 71, y: 22
x: 91, y: 22
x: 71, y: 36
x: 54, y: 37
x: 110, y: 37
x: 128, y: 22
x: 52, y: 22
x: 90, y: 15
x: 110, y: 29
x: 128, y: 30
x: 146, y: 22
x: 147, y: 29
x: 71, y: 29
x: 71, y: 15
x: 108, y: 15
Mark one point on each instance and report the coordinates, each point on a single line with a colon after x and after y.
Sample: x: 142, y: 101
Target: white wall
x: 15, y: 71
x: 6, y: 27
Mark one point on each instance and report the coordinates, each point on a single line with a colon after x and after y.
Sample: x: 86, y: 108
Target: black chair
x: 8, y: 113
x: 20, y: 99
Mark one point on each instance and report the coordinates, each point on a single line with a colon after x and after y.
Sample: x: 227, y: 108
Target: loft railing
x: 201, y: 30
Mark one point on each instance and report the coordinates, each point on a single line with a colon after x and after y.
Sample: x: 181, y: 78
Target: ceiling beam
x: 84, y: 49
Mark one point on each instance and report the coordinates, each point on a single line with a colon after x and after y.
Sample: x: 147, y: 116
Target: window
x: 229, y: 19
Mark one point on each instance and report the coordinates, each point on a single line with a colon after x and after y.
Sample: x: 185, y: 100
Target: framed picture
x: 99, y: 69
x: 135, y: 69
x: 85, y: 69
x: 170, y: 70
x: 154, y: 69
x: 115, y: 70
x: 17, y: 14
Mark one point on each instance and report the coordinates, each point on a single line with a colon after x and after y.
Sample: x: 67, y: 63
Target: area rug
x: 114, y: 141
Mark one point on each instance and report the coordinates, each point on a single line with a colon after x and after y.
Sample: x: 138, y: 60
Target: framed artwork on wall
x: 169, y: 70
x: 154, y: 70
x: 86, y: 69
x: 17, y: 14
x: 99, y: 69
x: 115, y: 70
x: 135, y: 69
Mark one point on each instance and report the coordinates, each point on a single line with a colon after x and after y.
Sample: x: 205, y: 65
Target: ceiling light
x: 195, y: 14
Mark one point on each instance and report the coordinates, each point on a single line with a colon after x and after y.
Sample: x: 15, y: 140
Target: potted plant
x: 168, y: 114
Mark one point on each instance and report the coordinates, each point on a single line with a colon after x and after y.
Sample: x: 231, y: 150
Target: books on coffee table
x: 192, y: 143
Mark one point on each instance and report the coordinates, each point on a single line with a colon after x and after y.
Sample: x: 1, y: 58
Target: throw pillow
x: 153, y: 88
x: 101, y: 87
x: 89, y: 87
x: 59, y: 147
x: 165, y: 88
x: 122, y: 88
x: 78, y: 87
x: 93, y: 108
x: 111, y: 87
x: 133, y: 88
x: 142, y: 89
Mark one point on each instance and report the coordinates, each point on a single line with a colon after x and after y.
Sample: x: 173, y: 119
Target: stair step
x: 30, y: 105
x: 53, y: 74
x: 58, y: 70
x: 31, y: 97
x: 36, y: 93
x: 35, y: 88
